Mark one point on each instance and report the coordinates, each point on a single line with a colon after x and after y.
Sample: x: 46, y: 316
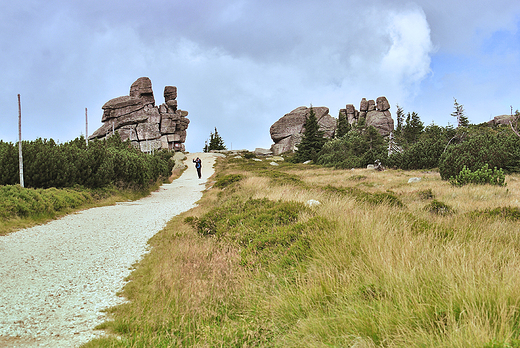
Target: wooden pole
x: 20, y: 156
x: 86, y: 127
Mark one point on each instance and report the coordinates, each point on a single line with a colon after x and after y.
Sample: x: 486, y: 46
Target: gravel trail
x: 56, y: 278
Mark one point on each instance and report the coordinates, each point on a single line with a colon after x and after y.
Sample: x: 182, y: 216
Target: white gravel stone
x: 56, y: 278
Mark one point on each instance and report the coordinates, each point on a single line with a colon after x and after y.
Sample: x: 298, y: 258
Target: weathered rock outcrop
x: 500, y: 120
x: 148, y: 127
x: 287, y: 131
x: 374, y: 113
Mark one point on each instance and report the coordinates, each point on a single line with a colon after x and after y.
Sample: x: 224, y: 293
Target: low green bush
x: 508, y: 213
x: 480, y: 176
x: 227, y: 180
x: 426, y: 194
x: 100, y: 164
x: 439, y: 208
x: 355, y: 149
x: 503, y: 344
x: 267, y: 232
x: 281, y: 178
x: 376, y: 198
x: 494, y: 148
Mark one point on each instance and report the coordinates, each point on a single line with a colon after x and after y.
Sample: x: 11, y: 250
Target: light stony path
x: 55, y: 278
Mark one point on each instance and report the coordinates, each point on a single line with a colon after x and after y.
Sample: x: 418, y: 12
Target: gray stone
x: 382, y: 121
x: 277, y: 159
x: 170, y: 93
x: 142, y: 89
x: 172, y: 105
x: 150, y: 145
x: 312, y: 203
x: 164, y: 142
x: 120, y: 110
x: 350, y: 109
x: 382, y: 104
x: 148, y: 131
x: 127, y: 132
x: 412, y: 180
x: 287, y: 131
x: 501, y: 120
x: 182, y: 124
x: 351, y: 118
x: 153, y: 115
x: 137, y: 118
x: 102, y: 131
x: 262, y: 152
x: 163, y: 109
x: 121, y: 102
x: 168, y: 126
x: 363, y: 106
x: 371, y: 105
x: 173, y: 138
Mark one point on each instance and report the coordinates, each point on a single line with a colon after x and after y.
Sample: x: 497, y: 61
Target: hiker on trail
x: 198, y: 165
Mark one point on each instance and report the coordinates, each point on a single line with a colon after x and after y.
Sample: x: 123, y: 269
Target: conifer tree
x: 215, y: 142
x: 400, y: 120
x: 412, y: 128
x: 312, y: 140
x: 342, y: 125
x: 462, y: 120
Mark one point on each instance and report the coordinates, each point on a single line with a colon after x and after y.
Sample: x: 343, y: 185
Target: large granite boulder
x: 136, y: 118
x: 287, y: 132
x: 382, y: 104
x: 381, y: 120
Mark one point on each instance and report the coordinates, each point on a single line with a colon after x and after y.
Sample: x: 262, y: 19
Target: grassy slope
x: 253, y: 266
x: 26, y: 207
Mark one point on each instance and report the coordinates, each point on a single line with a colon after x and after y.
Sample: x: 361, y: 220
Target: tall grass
x: 366, y: 273
x: 25, y: 207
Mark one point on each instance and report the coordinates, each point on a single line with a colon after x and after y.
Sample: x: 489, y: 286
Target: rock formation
x: 287, y: 132
x: 375, y: 113
x: 500, y: 120
x: 148, y: 127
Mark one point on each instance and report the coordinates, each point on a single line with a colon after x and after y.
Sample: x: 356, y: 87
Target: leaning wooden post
x: 20, y: 156
x: 86, y: 127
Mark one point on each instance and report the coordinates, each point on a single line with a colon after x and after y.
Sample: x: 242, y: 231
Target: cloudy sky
x: 240, y: 65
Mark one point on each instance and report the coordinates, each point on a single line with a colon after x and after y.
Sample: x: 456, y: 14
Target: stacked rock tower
x: 147, y: 126
x: 375, y: 113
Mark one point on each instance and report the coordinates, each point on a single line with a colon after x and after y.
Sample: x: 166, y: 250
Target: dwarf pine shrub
x: 481, y: 176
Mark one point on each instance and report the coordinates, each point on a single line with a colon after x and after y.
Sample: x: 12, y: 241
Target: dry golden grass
x: 375, y: 275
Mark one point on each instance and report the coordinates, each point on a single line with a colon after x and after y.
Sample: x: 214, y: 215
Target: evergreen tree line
x: 100, y: 164
x: 413, y: 146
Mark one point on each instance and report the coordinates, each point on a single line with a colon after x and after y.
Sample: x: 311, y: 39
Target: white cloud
x: 241, y: 64
x: 407, y: 62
